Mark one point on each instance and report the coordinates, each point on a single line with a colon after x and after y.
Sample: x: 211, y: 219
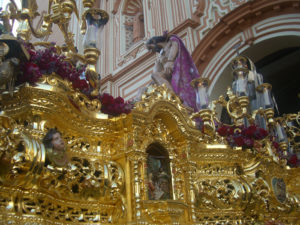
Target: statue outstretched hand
x: 168, y: 68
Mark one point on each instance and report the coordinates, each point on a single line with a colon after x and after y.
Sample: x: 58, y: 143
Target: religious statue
x: 158, y: 178
x: 137, y: 26
x: 12, y: 52
x: 8, y: 73
x: 174, y: 67
x: 56, y: 150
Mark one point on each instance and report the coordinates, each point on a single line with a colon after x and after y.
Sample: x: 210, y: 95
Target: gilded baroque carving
x: 107, y: 180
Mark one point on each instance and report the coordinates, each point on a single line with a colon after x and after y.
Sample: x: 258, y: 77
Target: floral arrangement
x: 293, y: 160
x: 249, y: 137
x: 47, y: 61
x: 114, y: 106
x: 242, y: 136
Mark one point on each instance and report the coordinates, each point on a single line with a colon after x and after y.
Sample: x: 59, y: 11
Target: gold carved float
x: 159, y: 164
x: 112, y: 160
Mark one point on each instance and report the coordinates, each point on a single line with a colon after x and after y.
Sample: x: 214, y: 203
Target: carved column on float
x: 136, y: 161
x: 191, y: 172
x: 177, y: 165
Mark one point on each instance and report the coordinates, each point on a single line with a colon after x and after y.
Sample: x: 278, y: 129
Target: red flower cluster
x: 242, y: 136
x: 114, y: 106
x: 47, y: 61
x: 293, y: 160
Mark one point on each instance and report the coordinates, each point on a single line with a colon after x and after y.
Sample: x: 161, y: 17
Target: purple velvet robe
x: 184, y: 72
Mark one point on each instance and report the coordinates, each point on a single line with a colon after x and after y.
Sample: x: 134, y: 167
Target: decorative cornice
x: 187, y: 23
x: 122, y: 72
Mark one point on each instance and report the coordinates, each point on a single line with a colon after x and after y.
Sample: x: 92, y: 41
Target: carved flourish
x: 85, y: 179
x: 90, y: 181
x: 220, y: 194
x: 160, y: 98
x: 170, y: 211
x: 79, y: 100
x: 64, y: 108
x: 44, y: 208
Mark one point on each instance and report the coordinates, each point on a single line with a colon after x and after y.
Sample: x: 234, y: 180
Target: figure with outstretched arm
x: 174, y: 67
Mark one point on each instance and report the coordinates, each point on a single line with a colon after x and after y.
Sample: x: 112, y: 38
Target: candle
x: 266, y: 98
x: 25, y: 4
x: 280, y: 133
x: 202, y: 98
x: 241, y: 85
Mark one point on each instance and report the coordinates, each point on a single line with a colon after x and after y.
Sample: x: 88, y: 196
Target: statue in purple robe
x: 174, y: 67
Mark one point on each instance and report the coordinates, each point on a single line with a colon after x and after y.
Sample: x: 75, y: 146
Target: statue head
x: 153, y: 44
x: 53, y: 140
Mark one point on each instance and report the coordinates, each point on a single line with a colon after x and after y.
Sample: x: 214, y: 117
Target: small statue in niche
x: 137, y: 26
x: 163, y: 190
x: 174, y: 67
x: 56, y: 150
x: 158, y: 178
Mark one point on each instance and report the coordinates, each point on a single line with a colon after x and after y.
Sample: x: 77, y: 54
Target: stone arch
x: 250, y: 25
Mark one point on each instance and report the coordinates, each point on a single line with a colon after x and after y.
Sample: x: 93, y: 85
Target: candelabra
x: 206, y: 115
x: 59, y: 13
x: 248, y: 103
x: 265, y: 90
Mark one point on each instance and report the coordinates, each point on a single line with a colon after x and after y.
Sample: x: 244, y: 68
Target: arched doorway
x: 282, y: 70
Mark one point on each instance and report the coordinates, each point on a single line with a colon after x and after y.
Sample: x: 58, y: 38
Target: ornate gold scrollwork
x: 106, y: 179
